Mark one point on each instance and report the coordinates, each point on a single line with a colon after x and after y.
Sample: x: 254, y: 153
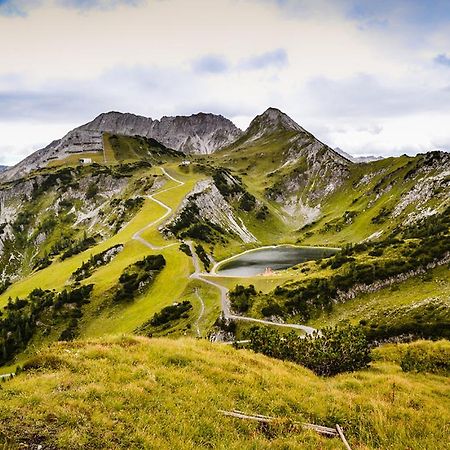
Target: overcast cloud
x: 368, y: 77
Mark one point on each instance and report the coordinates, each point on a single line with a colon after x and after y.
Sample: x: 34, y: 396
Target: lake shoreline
x: 216, y: 268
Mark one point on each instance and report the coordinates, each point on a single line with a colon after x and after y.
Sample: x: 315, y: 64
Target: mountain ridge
x: 357, y: 159
x: 197, y: 133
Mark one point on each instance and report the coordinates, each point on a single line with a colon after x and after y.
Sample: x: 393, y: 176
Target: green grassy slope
x: 101, y: 316
x: 129, y: 392
x: 371, y: 307
x: 362, y: 203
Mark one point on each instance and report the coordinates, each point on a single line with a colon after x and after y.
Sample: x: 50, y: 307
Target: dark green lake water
x: 277, y: 258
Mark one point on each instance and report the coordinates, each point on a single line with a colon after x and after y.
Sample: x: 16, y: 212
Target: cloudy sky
x: 371, y: 77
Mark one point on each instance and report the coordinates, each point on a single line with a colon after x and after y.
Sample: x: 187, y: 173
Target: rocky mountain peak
x: 274, y: 120
x: 199, y: 133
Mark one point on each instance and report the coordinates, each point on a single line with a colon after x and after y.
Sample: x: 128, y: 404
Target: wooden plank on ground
x: 341, y: 434
x: 329, y: 432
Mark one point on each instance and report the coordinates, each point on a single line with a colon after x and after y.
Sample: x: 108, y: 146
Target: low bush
x: 327, y: 353
x: 79, y: 246
x: 21, y: 317
x: 185, y: 249
x: 171, y: 313
x: 139, y: 275
x: 95, y: 261
x: 241, y: 298
x: 427, y: 357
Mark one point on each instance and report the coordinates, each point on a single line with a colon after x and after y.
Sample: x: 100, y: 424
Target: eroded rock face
x: 200, y: 133
x: 310, y: 172
x: 213, y: 207
x: 433, y: 183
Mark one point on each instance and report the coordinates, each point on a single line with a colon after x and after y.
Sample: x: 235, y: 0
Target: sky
x: 370, y: 77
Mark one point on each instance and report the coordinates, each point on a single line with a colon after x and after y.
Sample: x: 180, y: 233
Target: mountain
x: 3, y: 168
x: 199, y: 133
x: 270, y: 121
x: 357, y: 159
x: 133, y: 243
x: 292, y: 166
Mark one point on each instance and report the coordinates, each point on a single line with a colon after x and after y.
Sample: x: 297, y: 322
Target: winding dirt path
x: 7, y: 375
x: 138, y: 235
x: 201, y: 276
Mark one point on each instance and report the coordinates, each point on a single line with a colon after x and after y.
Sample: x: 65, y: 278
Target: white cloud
x: 357, y: 82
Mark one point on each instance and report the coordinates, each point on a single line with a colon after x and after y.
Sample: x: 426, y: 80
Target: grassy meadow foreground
x: 134, y: 392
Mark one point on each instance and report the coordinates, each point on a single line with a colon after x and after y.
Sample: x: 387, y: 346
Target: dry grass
x: 129, y: 392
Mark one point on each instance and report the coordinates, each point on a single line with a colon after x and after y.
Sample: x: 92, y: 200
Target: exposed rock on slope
x: 76, y: 141
x: 211, y: 206
x: 198, y: 133
x: 42, y: 213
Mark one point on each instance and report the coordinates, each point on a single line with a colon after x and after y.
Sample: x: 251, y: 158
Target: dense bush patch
x: 189, y: 224
x: 79, y: 246
x: 327, y: 353
x: 171, y: 313
x: 20, y: 317
x: 241, y: 298
x: 96, y: 261
x: 203, y: 256
x: 139, y: 275
x: 421, y: 357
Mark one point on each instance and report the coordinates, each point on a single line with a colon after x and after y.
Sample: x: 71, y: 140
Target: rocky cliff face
x: 3, y: 168
x: 199, y: 133
x: 210, y: 206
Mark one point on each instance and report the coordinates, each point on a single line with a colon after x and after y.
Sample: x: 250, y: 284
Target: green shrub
x: 170, y: 313
x: 241, y: 298
x: 185, y: 249
x: 327, y: 353
x: 95, y: 261
x: 92, y: 191
x: 138, y: 276
x: 427, y: 357
x: 203, y: 256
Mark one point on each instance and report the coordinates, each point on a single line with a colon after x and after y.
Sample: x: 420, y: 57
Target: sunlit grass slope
x: 102, y: 316
x: 409, y: 293
x: 129, y: 392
